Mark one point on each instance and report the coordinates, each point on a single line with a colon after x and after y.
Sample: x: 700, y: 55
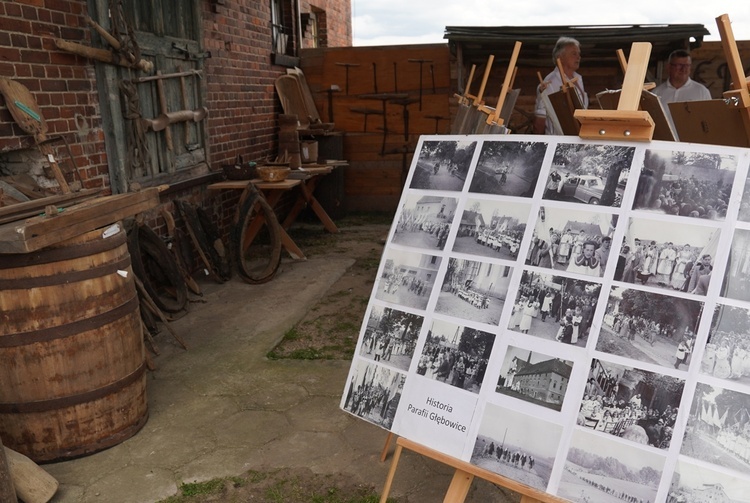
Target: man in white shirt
x: 679, y: 87
x: 569, y: 51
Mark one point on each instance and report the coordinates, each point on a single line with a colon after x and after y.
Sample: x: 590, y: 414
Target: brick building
x: 229, y: 53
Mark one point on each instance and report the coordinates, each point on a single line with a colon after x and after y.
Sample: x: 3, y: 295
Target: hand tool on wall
x: 164, y: 110
x: 102, y: 55
x: 421, y: 62
x: 346, y: 74
x: 25, y: 111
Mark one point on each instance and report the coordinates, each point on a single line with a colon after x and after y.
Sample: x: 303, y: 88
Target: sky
x: 398, y: 22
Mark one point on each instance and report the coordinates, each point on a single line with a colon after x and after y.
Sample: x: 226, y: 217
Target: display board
x: 571, y: 314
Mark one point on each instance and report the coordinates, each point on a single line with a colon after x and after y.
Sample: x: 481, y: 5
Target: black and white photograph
x: 744, y: 213
x: 508, y: 168
x: 686, y: 184
x: 691, y: 482
x: 516, y: 445
x: 425, y: 221
x: 474, y: 290
x: 456, y: 355
x: 650, y: 327
x: 492, y: 228
x: 727, y: 351
x: 407, y: 278
x: 391, y: 337
x: 634, y: 404
x: 600, y: 470
x: 443, y: 165
x: 556, y: 308
x: 671, y: 256
x: 534, y: 377
x: 736, y: 283
x: 589, y: 174
x: 718, y: 428
x: 374, y: 392
x: 579, y: 242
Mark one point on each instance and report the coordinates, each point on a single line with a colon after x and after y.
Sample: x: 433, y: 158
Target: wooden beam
x: 41, y: 231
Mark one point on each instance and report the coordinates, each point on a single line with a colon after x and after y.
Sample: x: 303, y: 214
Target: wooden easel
x: 565, y: 102
x: 493, y: 123
x: 627, y: 122
x: 464, y: 476
x: 740, y: 86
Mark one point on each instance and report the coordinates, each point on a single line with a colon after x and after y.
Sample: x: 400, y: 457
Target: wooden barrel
x: 72, y: 359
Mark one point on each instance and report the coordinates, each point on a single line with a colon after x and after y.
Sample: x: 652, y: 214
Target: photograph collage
x: 567, y: 287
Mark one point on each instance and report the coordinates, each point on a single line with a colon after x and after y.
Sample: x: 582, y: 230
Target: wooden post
x: 627, y: 122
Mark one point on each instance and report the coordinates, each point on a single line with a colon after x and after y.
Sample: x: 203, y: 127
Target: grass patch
x: 192, y: 491
x: 277, y: 486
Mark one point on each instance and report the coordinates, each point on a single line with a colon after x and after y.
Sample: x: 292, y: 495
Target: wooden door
x: 169, y: 35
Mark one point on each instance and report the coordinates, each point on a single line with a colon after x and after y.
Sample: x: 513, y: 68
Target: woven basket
x: 272, y: 173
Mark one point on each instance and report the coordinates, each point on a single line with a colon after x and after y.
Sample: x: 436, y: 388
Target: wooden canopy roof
x: 472, y: 45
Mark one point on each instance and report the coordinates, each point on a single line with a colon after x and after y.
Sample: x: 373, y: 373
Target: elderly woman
x: 568, y: 51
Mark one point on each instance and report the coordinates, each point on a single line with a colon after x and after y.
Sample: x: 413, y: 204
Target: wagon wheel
x: 256, y: 239
x: 156, y: 267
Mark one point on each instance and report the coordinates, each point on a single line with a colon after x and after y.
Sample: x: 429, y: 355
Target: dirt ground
x: 329, y: 331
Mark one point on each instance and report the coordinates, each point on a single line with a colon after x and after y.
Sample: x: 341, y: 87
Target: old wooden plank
x: 31, y: 208
x: 42, y: 231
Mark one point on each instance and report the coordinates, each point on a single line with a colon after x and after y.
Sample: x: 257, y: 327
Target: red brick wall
x: 241, y: 97
x: 62, y: 84
x: 337, y: 23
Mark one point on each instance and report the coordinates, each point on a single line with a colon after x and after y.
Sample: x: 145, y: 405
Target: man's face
x: 679, y: 71
x: 570, y: 57
x: 605, y: 244
x: 707, y: 261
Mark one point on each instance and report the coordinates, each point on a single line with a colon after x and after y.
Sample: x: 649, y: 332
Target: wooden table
x: 307, y: 179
